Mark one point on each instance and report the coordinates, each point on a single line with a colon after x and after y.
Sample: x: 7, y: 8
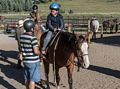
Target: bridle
x: 78, y: 48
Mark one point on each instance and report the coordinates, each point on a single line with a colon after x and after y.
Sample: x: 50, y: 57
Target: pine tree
x: 31, y: 4
x: 26, y: 2
x: 23, y: 4
x: 5, y: 5
x: 19, y: 6
x: 0, y: 8
x: 11, y: 6
x: 15, y: 5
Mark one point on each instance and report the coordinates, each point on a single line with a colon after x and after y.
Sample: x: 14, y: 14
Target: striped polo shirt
x: 28, y: 42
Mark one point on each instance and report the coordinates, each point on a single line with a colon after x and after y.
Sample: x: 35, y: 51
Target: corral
x: 104, y: 72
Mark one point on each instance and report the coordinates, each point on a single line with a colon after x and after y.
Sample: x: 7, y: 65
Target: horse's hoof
x: 47, y: 87
x: 58, y: 87
x: 78, y: 70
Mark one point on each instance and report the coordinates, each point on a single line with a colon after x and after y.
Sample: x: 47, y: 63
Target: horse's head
x: 82, y: 50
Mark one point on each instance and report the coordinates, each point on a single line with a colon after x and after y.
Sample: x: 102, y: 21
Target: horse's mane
x: 71, y: 40
x: 67, y: 38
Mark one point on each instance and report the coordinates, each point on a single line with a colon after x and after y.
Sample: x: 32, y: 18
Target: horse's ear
x: 76, y: 36
x: 73, y: 32
x: 87, y: 36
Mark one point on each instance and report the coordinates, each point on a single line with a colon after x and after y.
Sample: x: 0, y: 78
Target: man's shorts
x: 32, y: 71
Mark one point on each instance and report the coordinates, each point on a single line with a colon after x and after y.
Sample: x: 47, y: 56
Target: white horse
x: 94, y: 26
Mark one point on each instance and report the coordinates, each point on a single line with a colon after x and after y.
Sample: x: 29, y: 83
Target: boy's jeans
x: 47, y: 39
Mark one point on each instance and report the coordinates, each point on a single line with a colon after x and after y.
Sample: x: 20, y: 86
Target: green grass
x: 84, y: 7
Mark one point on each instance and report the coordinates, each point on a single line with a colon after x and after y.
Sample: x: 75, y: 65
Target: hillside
x: 79, y: 7
x: 87, y: 6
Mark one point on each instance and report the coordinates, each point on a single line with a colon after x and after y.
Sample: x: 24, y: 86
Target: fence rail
x: 77, y: 23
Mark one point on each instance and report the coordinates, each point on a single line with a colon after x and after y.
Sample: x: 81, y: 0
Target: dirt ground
x: 104, y: 72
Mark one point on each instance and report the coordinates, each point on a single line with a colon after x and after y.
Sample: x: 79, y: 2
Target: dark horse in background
x: 61, y: 53
x: 111, y: 25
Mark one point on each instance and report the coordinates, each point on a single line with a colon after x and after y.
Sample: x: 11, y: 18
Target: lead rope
x: 54, y: 59
x: 54, y: 38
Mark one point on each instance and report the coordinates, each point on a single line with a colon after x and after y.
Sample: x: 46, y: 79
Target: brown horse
x: 36, y: 18
x: 110, y: 24
x: 62, y: 52
x: 37, y: 32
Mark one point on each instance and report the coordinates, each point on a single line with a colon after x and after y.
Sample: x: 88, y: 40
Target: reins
x: 54, y: 53
x: 54, y: 38
x: 54, y: 57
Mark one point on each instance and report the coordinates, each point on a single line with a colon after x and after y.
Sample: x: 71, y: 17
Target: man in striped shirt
x: 30, y: 53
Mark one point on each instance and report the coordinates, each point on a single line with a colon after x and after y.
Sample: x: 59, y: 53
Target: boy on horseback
x: 55, y: 22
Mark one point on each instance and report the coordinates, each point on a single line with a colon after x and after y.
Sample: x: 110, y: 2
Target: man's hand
x: 59, y: 29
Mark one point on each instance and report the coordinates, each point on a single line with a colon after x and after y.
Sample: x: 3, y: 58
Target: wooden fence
x: 76, y: 23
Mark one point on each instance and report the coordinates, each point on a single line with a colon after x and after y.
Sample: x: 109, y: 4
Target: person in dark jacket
x: 55, y: 22
x: 35, y: 15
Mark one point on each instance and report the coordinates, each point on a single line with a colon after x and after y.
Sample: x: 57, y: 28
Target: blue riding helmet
x: 54, y: 6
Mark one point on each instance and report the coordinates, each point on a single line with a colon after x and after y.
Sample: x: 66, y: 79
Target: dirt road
x: 104, y: 72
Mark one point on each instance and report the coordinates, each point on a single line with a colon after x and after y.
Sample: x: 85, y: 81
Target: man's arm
x: 36, y: 50
x: 35, y: 46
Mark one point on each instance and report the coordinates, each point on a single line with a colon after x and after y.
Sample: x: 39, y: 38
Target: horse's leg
x: 116, y: 28
x: 111, y: 29
x: 46, y: 67
x: 78, y: 64
x: 70, y: 71
x: 57, y: 77
x: 94, y: 35
x: 106, y: 30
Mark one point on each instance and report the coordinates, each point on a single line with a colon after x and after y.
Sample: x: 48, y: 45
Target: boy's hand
x: 55, y: 29
x: 59, y: 29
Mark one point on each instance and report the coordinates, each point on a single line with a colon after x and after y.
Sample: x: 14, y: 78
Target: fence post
x: 89, y: 31
x: 101, y: 31
x: 69, y: 27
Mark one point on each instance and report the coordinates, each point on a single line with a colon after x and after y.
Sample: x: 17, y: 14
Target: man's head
x: 20, y: 23
x: 54, y: 7
x: 35, y: 8
x: 29, y: 25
